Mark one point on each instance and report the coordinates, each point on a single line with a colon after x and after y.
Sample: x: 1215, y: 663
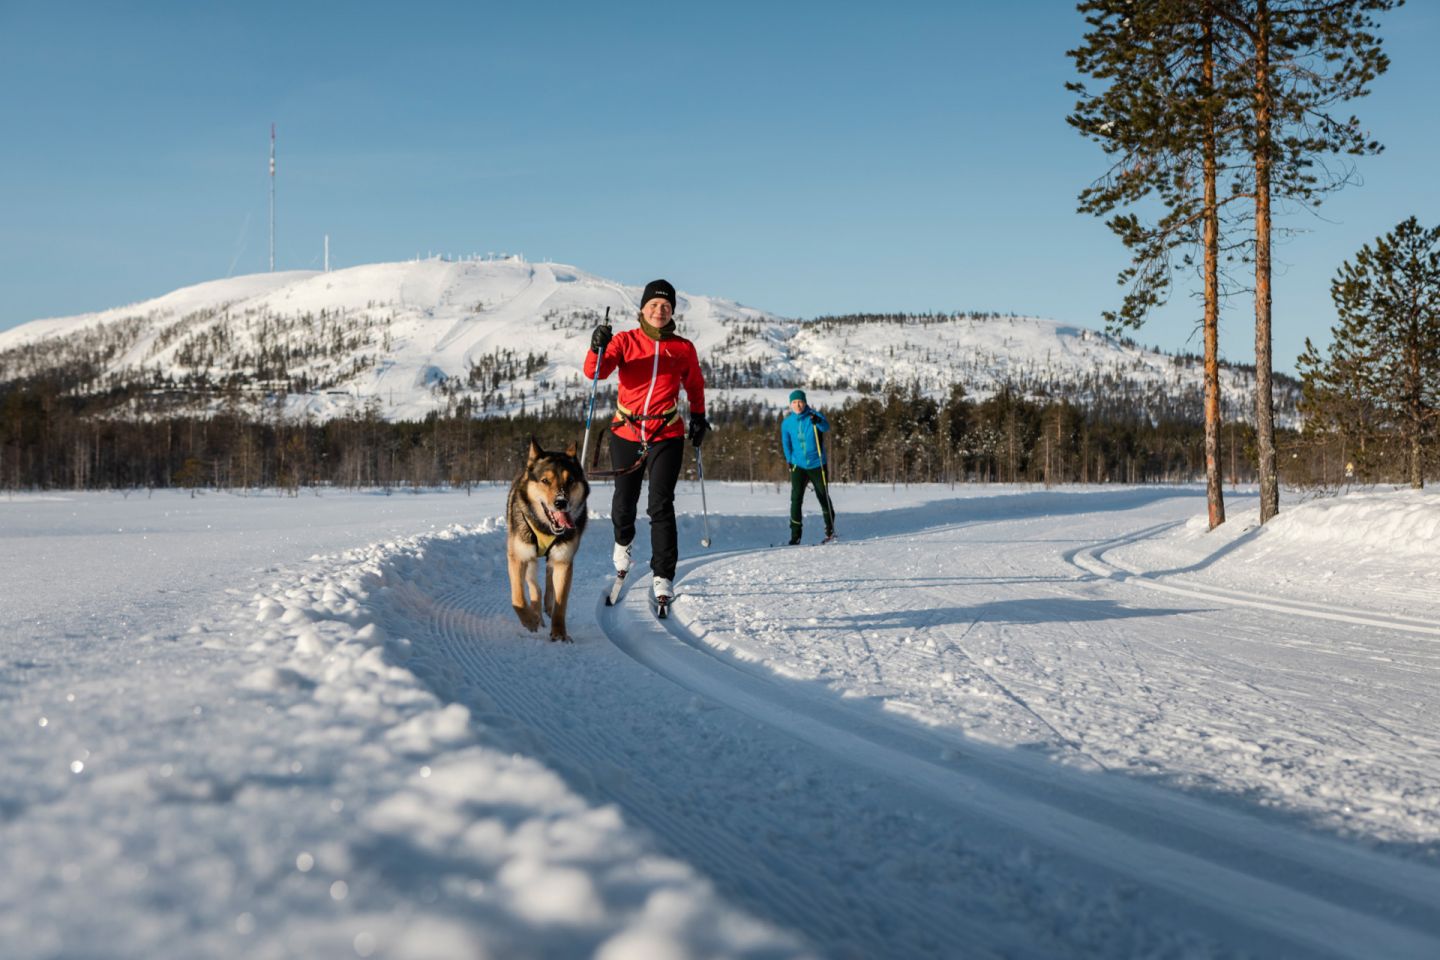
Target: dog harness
x: 544, y: 541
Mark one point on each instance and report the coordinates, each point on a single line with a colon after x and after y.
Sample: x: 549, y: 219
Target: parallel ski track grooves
x: 466, y: 623
x: 1323, y: 896
x: 456, y: 615
x: 1091, y: 560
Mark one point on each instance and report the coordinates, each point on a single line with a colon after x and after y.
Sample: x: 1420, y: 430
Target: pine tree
x: 1170, y: 123
x: 1383, y: 367
x: 1303, y: 58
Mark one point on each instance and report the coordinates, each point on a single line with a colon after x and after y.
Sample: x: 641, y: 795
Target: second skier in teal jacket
x: 800, y: 438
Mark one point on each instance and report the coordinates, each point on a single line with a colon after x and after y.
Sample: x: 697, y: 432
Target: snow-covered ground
x: 990, y: 721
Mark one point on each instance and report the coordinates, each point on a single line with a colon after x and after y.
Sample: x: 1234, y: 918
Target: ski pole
x: 704, y: 509
x: 823, y: 477
x: 594, y: 387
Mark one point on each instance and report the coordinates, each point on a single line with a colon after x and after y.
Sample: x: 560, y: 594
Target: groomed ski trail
x: 785, y: 795
x: 859, y: 864
x: 737, y: 841
x: 1320, y: 896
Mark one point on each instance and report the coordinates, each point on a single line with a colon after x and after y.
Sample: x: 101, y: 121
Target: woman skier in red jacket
x: 654, y: 362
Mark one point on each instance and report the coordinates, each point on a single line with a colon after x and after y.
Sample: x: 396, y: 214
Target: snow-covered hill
x: 507, y: 335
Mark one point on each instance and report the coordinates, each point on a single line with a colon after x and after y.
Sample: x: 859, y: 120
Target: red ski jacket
x: 651, y: 375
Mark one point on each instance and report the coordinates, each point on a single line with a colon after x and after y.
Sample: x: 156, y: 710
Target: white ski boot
x: 621, y: 556
x: 664, y: 592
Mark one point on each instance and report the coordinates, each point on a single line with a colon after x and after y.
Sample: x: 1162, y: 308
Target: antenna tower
x: 272, y: 198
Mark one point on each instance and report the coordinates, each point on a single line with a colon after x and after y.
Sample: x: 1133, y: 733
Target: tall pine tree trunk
x: 1416, y: 405
x: 1417, y: 474
x: 1264, y: 401
x: 1214, y: 484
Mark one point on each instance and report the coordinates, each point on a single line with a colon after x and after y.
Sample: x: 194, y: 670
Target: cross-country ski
x: 613, y: 596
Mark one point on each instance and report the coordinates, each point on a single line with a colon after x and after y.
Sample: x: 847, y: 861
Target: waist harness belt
x: 623, y: 415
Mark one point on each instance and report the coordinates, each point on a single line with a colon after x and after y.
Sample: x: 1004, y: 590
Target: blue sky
x: 805, y: 158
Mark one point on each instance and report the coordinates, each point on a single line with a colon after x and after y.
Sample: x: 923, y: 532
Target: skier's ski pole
x: 594, y: 387
x: 825, y: 479
x: 704, y: 509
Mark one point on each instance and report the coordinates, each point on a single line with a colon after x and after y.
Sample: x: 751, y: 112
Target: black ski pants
x: 799, y: 477
x: 662, y: 465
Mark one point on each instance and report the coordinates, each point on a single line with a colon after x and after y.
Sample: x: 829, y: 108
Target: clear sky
x: 804, y: 158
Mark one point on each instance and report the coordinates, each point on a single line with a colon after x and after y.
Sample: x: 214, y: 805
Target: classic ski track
x: 467, y: 623
x: 457, y: 616
x: 1091, y: 559
x: 1322, y: 895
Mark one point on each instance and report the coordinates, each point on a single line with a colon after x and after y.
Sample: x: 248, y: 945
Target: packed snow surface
x: 989, y: 721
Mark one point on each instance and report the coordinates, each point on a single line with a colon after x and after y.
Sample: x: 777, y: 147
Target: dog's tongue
x: 562, y: 519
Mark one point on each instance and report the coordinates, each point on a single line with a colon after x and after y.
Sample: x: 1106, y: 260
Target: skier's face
x: 656, y: 311
x: 797, y: 405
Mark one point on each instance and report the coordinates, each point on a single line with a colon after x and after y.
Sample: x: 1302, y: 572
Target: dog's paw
x: 560, y: 638
x: 529, y: 618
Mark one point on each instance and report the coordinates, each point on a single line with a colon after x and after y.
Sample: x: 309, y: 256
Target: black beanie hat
x: 658, y: 288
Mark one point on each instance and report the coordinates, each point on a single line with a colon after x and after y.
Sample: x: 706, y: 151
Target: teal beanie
x: 797, y: 395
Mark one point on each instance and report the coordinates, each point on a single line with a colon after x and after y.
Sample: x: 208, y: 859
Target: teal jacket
x: 798, y: 437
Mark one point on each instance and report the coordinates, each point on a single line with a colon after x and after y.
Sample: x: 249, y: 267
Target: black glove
x: 600, y: 339
x: 699, y: 426
x: 811, y: 415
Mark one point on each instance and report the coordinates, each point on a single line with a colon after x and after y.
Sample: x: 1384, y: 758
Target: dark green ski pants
x: 799, y: 477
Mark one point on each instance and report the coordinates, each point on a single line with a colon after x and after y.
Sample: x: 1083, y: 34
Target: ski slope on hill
x: 510, y: 336
x: 990, y: 721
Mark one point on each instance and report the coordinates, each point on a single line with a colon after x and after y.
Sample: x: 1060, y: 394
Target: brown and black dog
x: 545, y: 517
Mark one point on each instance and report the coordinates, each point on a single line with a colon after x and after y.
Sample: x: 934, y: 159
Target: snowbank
x: 1375, y: 550
x: 1391, y: 523
x: 535, y: 868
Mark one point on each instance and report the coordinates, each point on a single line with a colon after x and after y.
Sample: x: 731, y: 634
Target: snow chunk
x: 428, y: 733
x: 276, y: 678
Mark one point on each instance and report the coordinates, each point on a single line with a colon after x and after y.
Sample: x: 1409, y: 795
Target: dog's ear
x: 535, y: 452
x: 570, y: 450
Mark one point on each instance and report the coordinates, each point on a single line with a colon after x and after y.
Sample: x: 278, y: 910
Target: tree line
x: 50, y: 439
